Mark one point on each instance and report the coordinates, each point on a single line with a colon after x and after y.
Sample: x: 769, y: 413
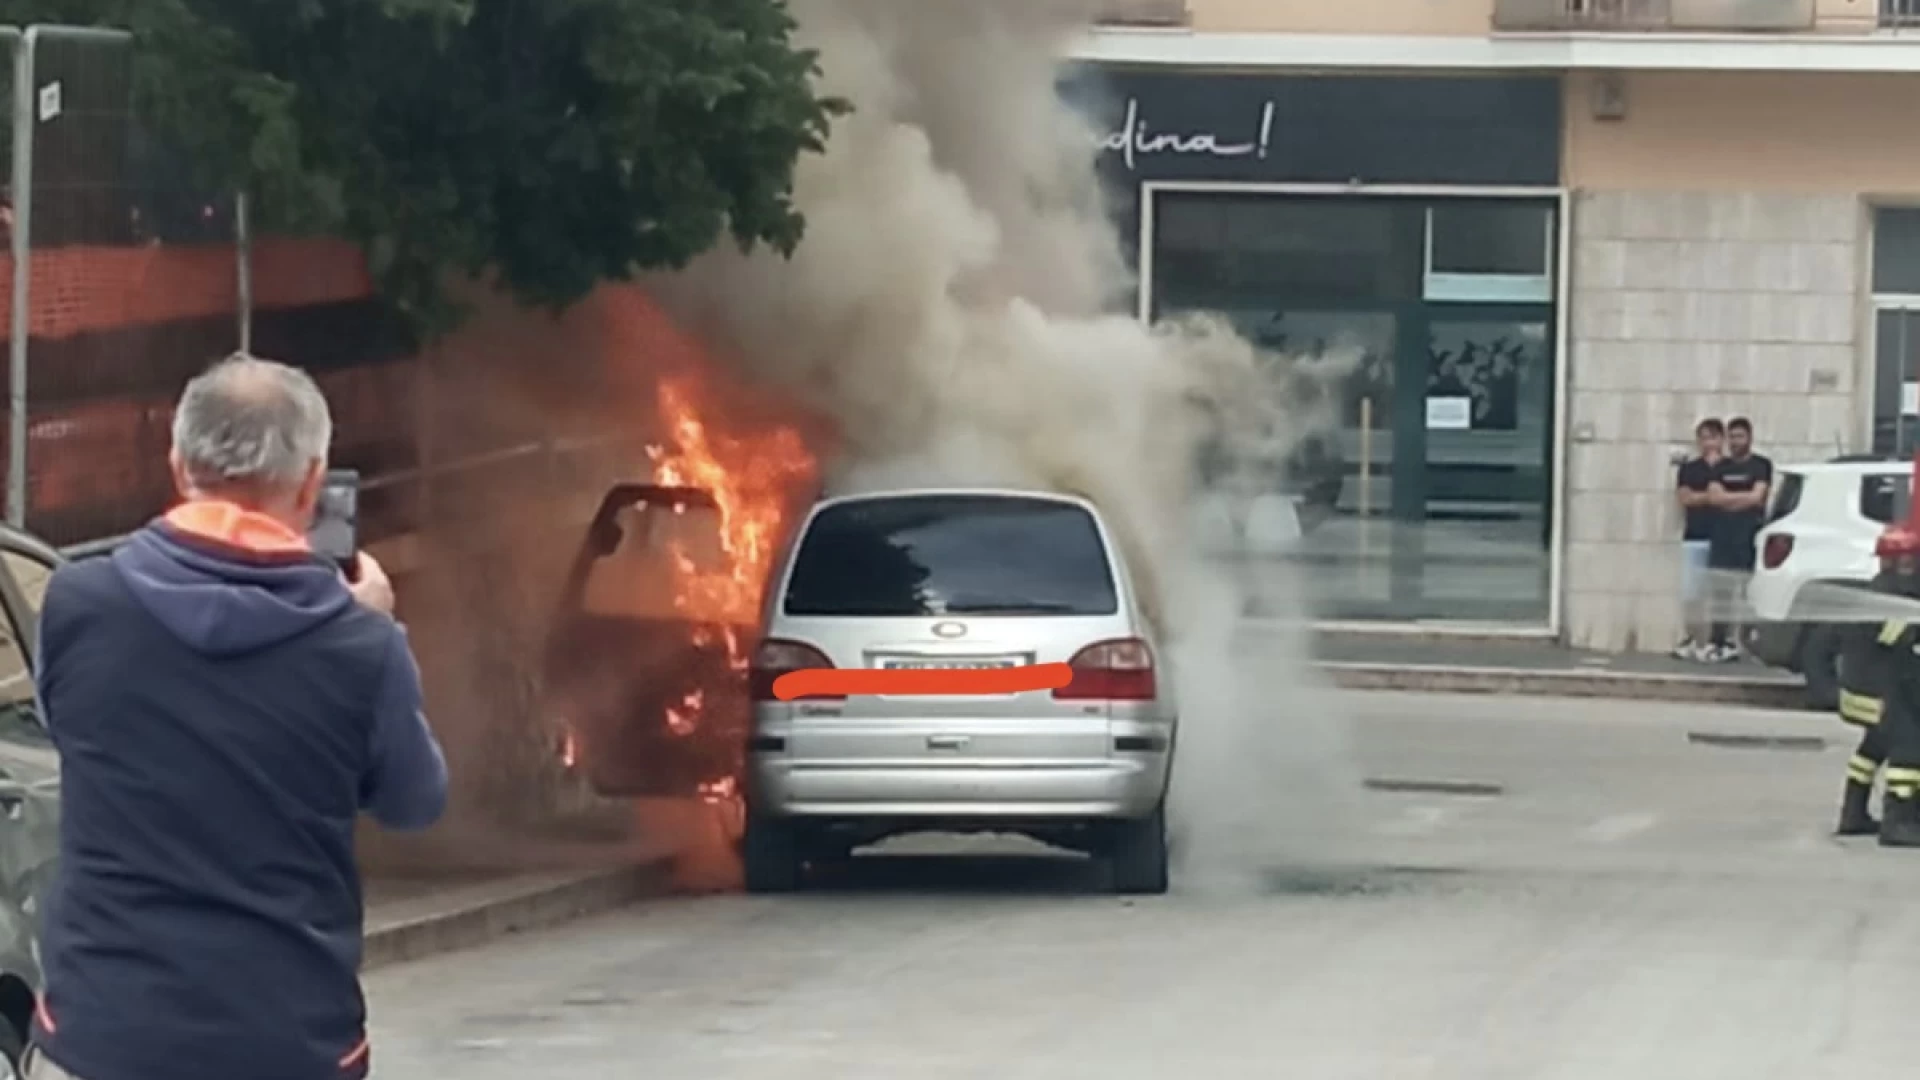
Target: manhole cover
x: 532, y: 1018
x: 1357, y: 881
x: 1464, y: 788
x: 1802, y: 743
x: 593, y: 999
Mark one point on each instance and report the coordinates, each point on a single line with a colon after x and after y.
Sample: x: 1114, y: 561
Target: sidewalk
x: 412, y: 918
x: 461, y: 887
x: 1497, y: 666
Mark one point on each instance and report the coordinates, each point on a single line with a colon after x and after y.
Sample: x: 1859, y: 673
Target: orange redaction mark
x: 944, y: 682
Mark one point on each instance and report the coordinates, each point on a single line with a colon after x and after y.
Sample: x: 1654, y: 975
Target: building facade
x: 1556, y: 233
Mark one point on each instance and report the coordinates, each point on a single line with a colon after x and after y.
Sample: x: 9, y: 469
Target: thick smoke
x: 952, y: 310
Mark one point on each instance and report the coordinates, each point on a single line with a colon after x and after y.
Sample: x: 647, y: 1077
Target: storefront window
x: 1896, y: 251
x: 1243, y: 250
x: 1489, y: 252
x: 1896, y: 397
x: 1896, y: 330
x: 1418, y: 462
x: 1490, y: 238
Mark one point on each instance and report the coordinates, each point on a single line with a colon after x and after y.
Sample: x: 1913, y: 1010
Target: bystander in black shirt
x: 1734, y: 531
x: 1695, y: 474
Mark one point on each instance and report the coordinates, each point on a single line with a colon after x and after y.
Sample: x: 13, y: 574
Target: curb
x: 1685, y: 689
x: 470, y: 917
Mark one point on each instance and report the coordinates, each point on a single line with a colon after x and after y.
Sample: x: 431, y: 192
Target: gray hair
x: 248, y: 422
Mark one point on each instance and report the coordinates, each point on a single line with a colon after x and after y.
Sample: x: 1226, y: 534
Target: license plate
x: 944, y: 665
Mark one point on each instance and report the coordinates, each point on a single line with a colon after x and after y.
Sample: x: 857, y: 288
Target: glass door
x: 1896, y: 364
x: 1485, y: 492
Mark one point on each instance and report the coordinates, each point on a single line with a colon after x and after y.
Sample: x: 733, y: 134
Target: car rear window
x: 1786, y: 496
x: 1883, y: 498
x: 952, y: 555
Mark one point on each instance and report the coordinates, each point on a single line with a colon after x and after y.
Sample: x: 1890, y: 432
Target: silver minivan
x: 958, y: 579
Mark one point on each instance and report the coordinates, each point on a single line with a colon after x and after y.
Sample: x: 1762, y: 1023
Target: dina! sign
x: 1324, y: 129
x: 1135, y: 139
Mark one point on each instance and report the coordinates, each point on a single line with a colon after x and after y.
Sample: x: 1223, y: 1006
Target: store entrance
x: 1424, y: 483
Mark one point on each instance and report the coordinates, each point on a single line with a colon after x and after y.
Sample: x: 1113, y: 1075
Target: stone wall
x: 1686, y: 305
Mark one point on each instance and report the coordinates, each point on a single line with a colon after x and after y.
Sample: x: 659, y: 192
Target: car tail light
x: 1775, y: 550
x: 775, y: 658
x: 1111, y: 671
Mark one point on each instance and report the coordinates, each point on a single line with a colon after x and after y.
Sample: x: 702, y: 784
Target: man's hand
x: 372, y: 587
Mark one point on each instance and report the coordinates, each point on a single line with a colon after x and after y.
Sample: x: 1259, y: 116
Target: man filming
x: 225, y: 704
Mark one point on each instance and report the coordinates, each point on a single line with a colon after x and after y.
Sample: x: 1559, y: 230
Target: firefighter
x: 1899, y: 727
x: 1867, y: 668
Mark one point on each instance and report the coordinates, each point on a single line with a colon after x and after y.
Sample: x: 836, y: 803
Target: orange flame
x: 753, y: 473
x: 752, y: 478
x: 681, y: 720
x: 720, y: 790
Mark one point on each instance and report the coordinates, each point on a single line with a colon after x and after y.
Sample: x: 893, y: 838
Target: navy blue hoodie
x: 223, y: 711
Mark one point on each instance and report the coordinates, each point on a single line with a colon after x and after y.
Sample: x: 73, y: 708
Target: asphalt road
x: 1592, y: 894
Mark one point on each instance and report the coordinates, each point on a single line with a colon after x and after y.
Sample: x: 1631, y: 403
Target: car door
x: 640, y: 680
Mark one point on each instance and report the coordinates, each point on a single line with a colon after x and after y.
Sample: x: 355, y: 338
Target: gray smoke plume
x: 951, y: 309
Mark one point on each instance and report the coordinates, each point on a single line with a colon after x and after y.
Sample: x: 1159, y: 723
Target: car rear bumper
x: 1770, y: 594
x: 1128, y: 786
x: 1776, y: 644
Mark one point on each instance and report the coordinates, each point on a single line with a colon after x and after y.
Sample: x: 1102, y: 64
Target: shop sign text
x: 1136, y: 139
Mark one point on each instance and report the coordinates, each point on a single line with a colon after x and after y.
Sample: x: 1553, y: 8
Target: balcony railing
x: 1656, y: 16
x: 1144, y: 13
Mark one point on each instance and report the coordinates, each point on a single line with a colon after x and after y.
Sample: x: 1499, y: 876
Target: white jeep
x: 1822, y: 523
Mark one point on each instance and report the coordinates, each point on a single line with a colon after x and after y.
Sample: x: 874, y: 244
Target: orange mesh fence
x: 114, y: 333
x: 94, y: 468
x: 83, y: 289
x: 100, y: 468
x: 114, y: 329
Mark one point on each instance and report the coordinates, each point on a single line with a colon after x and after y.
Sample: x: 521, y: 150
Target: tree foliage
x: 552, y: 144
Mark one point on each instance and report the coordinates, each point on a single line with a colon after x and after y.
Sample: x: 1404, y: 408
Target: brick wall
x: 1686, y: 305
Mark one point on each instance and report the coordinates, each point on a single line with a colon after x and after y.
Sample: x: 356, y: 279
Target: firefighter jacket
x: 1869, y: 664
x: 1900, y: 717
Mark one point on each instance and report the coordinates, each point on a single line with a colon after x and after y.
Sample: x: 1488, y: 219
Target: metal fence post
x: 22, y: 325
x: 425, y: 424
x: 243, y: 254
x: 26, y: 121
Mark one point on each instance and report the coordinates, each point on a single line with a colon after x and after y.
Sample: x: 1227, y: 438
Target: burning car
x: 646, y: 664
x: 959, y: 582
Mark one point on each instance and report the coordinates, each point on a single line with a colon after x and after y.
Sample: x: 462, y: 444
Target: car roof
x: 935, y: 492
x: 1878, y: 467
x: 26, y: 543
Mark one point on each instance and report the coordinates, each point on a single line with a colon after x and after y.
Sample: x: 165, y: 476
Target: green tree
x: 552, y: 144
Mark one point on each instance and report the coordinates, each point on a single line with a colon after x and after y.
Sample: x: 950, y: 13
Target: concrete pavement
x: 1533, y: 890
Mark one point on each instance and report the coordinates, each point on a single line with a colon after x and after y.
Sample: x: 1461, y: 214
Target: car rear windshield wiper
x: 1013, y: 608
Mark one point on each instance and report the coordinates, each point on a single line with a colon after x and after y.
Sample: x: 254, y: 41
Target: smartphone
x: 336, y: 520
